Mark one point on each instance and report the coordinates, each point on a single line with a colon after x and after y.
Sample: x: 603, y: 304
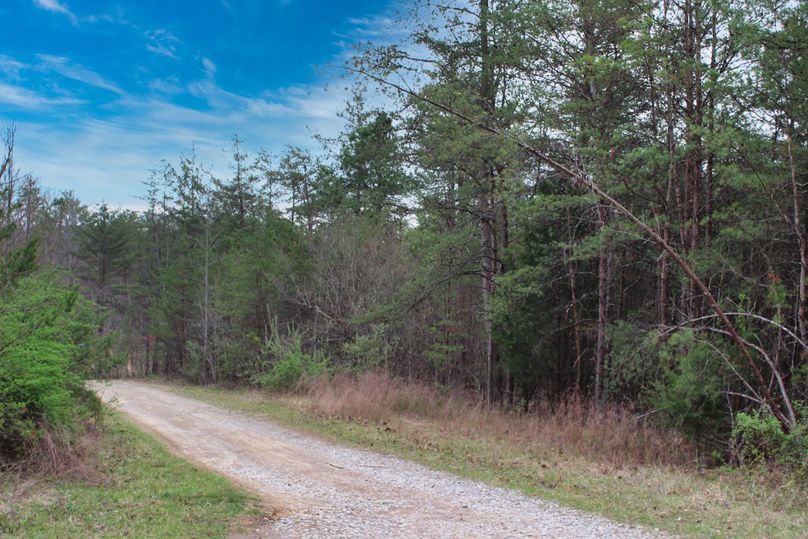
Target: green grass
x: 146, y: 492
x: 714, y: 503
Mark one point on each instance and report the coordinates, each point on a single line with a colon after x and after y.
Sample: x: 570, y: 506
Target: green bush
x: 370, y: 351
x: 688, y: 392
x: 760, y: 440
x: 291, y: 364
x: 44, y: 351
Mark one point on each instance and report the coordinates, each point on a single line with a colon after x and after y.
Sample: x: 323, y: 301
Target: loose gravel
x: 319, y: 489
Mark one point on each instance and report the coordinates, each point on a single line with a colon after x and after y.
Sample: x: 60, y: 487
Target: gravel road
x: 319, y: 489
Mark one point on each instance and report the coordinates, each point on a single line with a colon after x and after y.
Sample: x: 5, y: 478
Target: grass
x: 138, y: 490
x: 638, y: 488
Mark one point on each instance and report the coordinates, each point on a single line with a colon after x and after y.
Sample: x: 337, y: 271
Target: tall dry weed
x: 58, y: 453
x: 610, y: 435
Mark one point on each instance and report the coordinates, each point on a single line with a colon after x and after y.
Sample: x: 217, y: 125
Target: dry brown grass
x: 612, y: 435
x: 63, y: 455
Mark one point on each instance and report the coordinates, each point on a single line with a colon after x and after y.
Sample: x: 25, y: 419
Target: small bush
x: 760, y: 440
x: 370, y: 351
x: 291, y: 363
x: 689, y: 391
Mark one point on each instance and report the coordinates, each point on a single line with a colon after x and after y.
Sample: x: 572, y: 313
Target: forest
x: 532, y: 202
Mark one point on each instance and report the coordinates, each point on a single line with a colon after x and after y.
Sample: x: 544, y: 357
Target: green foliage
x: 369, y: 351
x: 444, y: 348
x: 760, y: 439
x: 521, y: 329
x: 290, y: 364
x: 634, y: 361
x: 371, y: 162
x: 48, y: 341
x: 105, y: 248
x: 689, y: 391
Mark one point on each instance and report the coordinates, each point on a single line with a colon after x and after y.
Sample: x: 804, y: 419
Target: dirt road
x: 324, y: 490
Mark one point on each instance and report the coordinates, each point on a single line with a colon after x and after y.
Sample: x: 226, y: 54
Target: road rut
x: 319, y: 489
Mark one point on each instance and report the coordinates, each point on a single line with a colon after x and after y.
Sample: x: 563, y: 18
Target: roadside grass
x: 677, y: 499
x: 140, y: 490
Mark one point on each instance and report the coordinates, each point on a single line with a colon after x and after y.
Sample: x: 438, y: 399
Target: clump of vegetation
x: 289, y: 364
x: 47, y: 341
x: 759, y: 440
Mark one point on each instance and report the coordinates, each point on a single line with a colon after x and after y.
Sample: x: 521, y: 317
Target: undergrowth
x: 612, y: 434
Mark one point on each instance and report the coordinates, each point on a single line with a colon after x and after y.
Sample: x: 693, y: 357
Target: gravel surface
x: 319, y: 489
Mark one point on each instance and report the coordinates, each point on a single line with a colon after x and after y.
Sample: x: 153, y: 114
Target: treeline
x: 600, y: 200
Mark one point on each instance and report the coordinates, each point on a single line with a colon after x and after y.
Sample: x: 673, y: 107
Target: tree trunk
x: 603, y: 310
x: 801, y: 242
x: 576, y: 321
x: 487, y: 239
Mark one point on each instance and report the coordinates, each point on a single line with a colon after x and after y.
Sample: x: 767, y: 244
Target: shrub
x: 44, y: 350
x: 291, y: 363
x: 760, y: 440
x: 688, y: 393
x: 370, y: 351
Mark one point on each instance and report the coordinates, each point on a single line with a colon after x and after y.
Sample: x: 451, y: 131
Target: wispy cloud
x: 162, y: 42
x: 55, y: 6
x: 209, y: 66
x: 110, y: 158
x: 11, y: 67
x: 64, y: 67
x: 168, y: 86
x: 29, y: 99
x: 376, y: 26
x: 222, y: 101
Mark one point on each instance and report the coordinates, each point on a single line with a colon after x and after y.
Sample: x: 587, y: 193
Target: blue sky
x: 102, y: 91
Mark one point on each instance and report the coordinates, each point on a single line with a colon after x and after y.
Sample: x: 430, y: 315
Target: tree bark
x: 487, y: 97
x: 801, y: 242
x: 576, y: 321
x: 603, y: 310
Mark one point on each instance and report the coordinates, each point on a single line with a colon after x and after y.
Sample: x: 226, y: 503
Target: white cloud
x: 29, y: 99
x: 223, y: 101
x: 162, y: 42
x: 376, y: 26
x: 11, y: 67
x: 108, y: 159
x: 64, y: 67
x: 210, y: 67
x: 55, y: 6
x: 167, y: 86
